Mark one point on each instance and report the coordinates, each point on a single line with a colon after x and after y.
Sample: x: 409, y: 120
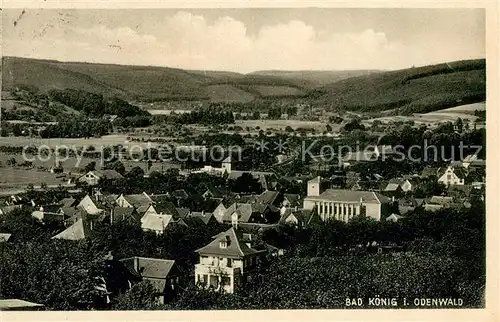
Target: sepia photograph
x: 184, y: 159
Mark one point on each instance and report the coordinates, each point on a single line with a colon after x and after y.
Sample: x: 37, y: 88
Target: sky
x: 246, y: 40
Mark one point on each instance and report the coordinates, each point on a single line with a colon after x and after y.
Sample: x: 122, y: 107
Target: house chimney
x: 234, y: 220
x: 136, y: 263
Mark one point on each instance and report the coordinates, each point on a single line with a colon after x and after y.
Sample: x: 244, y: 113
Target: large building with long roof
x: 343, y: 205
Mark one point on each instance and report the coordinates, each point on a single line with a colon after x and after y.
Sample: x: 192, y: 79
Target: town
x: 150, y: 238
x: 140, y: 187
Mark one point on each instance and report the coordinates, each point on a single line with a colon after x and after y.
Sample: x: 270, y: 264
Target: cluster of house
x: 227, y: 260
x: 267, y: 180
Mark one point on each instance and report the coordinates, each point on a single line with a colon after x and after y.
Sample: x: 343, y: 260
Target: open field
x: 104, y: 141
x: 167, y: 112
x: 431, y: 118
x: 280, y: 124
x: 14, y: 178
x: 467, y: 108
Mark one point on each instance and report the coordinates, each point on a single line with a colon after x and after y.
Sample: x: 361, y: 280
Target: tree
x: 353, y: 124
x: 12, y: 162
x: 135, y: 172
x: 117, y: 166
x: 459, y: 125
x: 429, y: 187
x: 139, y: 297
x: 90, y: 166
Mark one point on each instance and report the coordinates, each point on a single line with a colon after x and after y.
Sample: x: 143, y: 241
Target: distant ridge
x: 150, y: 83
x: 419, y: 89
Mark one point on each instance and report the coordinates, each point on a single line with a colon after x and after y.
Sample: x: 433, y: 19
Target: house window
x: 214, y: 281
x: 229, y: 262
x: 225, y: 281
x: 205, y: 278
x: 223, y: 244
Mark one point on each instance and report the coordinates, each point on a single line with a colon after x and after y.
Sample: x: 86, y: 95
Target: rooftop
x: 76, y: 231
x: 350, y: 196
x: 235, y: 248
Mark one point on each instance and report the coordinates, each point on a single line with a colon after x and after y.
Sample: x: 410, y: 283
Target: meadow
x: 280, y: 124
x: 104, y: 141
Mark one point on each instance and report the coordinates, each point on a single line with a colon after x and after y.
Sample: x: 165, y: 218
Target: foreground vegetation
x: 442, y: 255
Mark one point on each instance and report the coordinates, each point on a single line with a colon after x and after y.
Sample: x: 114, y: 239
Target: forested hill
x: 144, y: 83
x: 148, y: 83
x: 420, y: 89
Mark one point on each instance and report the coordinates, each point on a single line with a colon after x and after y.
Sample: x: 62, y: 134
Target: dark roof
x: 244, y: 210
x: 70, y: 212
x: 54, y: 208
x: 304, y: 216
x: 122, y: 213
x: 141, y: 201
x: 107, y: 173
x: 160, y: 197
x: 409, y: 201
x: 247, y: 198
x: 180, y: 194
x: 183, y: 212
x: 236, y: 248
x: 429, y: 171
x: 166, y: 208
x: 293, y: 199
x: 234, y: 174
x: 149, y: 267
x: 267, y: 197
x: 153, y: 269
x: 203, y: 216
x: 460, y: 172
x: 68, y: 202
x: 215, y: 192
